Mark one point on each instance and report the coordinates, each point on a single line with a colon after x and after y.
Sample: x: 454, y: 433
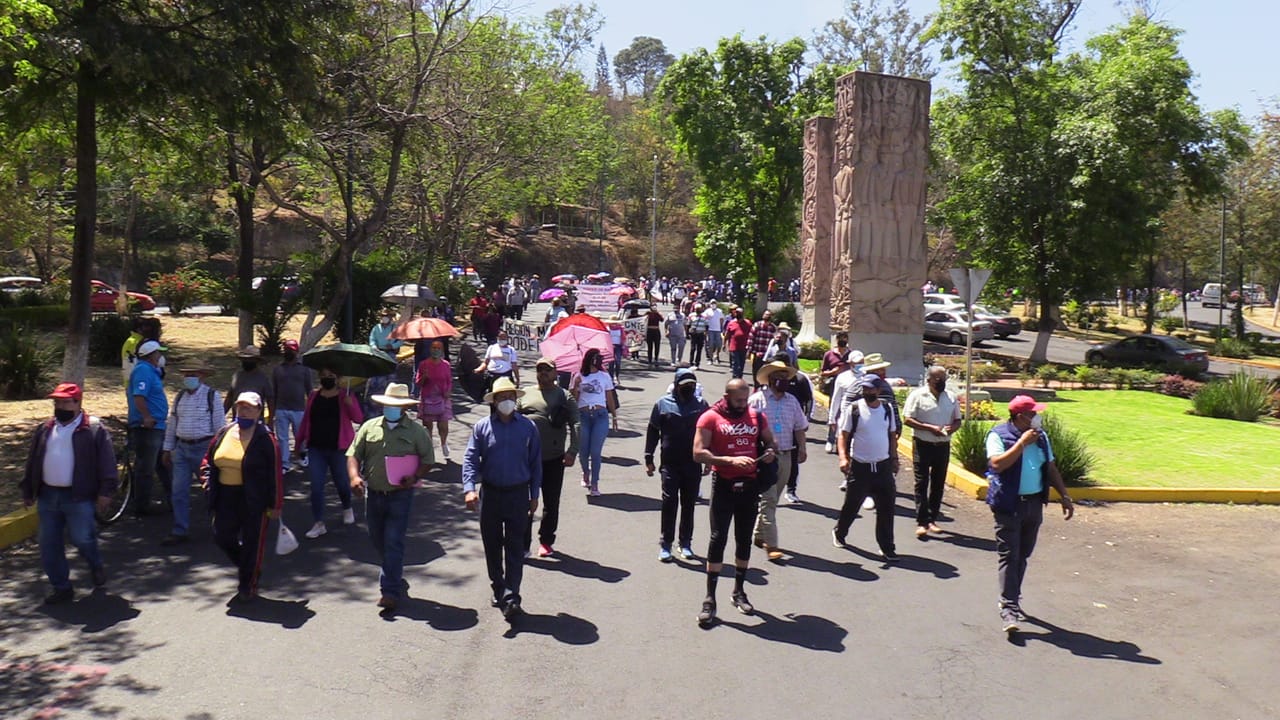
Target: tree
x: 642, y: 63
x: 603, y: 87
x: 877, y: 39
x: 739, y: 116
x: 572, y: 29
x: 1061, y: 166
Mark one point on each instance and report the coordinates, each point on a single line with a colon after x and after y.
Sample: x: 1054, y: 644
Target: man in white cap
x: 789, y: 425
x: 503, y: 459
x: 383, y: 442
x: 846, y: 384
x: 148, y: 410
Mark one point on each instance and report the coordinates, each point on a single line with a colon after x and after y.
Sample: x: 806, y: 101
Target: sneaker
x: 836, y: 540
x: 1008, y: 621
x: 686, y: 553
x: 511, y: 610
x: 741, y: 602
x: 1018, y: 613
x: 664, y: 554
x: 595, y: 492
x: 348, y: 516
x: 444, y: 450
x: 302, y: 461
x: 922, y: 532
x: 545, y: 550
x: 869, y: 503
x: 891, y: 557
x: 586, y: 481
x: 58, y: 597
x: 708, y: 614
x: 791, y: 498
x: 831, y: 448
x: 99, y: 576
x: 317, y: 530
x: 844, y: 485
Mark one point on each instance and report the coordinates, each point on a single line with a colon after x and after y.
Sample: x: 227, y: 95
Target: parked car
x: 1003, y: 324
x: 1164, y: 351
x: 20, y: 283
x: 939, y: 301
x: 103, y: 298
x: 952, y: 326
x: 1211, y: 295
x: 291, y: 286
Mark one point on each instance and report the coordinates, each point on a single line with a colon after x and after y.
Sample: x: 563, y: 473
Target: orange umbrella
x: 423, y: 328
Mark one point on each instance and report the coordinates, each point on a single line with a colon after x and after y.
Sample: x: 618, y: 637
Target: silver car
x: 952, y: 325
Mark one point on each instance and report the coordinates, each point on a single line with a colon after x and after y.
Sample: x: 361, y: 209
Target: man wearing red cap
x: 1020, y: 460
x: 71, y: 466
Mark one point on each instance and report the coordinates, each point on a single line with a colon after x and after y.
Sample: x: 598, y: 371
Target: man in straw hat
x: 195, y: 415
x: 789, y: 424
x: 390, y: 442
x: 504, y: 458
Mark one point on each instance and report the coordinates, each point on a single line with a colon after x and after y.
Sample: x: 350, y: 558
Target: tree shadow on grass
x: 806, y: 631
x: 565, y: 628
x: 1083, y: 644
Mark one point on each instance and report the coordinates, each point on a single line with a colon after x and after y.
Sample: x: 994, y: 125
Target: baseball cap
x: 149, y: 347
x: 67, y: 391
x: 868, y: 381
x: 685, y: 375
x: 1025, y: 403
x: 854, y: 357
x: 291, y: 345
x: 249, y: 398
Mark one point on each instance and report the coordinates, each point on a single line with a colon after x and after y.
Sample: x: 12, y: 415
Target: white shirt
x: 501, y: 359
x: 922, y: 406
x: 59, y: 456
x: 715, y: 318
x: 593, y: 388
x: 870, y: 441
x: 844, y: 385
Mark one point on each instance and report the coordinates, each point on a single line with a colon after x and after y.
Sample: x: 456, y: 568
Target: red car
x: 103, y: 298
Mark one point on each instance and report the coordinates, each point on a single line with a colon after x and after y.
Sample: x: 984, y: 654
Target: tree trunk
x: 126, y: 243
x: 76, y: 358
x: 1150, y: 312
x: 243, y: 192
x: 762, y: 285
x: 1044, y: 331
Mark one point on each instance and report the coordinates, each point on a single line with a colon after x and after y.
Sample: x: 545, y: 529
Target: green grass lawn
x: 1144, y: 439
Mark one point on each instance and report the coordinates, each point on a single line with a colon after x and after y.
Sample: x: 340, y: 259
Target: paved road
x: 1140, y: 612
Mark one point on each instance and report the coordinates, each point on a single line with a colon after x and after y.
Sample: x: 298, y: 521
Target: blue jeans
x: 186, y: 463
x: 737, y: 362
x: 594, y: 429
x: 321, y: 462
x: 388, y: 516
x: 58, y: 514
x: 285, y: 419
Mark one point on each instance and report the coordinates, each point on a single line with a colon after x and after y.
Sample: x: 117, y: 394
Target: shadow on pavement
x: 438, y: 616
x: 95, y: 612
x: 1083, y: 644
x: 806, y: 631
x: 288, y: 614
x: 832, y: 514
x: 624, y: 434
x: 619, y: 461
x: 965, y: 541
x: 850, y: 570
x: 579, y: 567
x: 626, y: 502
x: 565, y: 628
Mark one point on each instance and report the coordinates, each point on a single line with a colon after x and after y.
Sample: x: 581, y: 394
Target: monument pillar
x: 816, y: 221
x: 879, y: 250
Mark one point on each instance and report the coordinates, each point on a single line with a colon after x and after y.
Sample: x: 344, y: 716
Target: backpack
x: 888, y: 416
x: 208, y: 411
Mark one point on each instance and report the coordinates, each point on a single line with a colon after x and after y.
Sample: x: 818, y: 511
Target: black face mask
x: 328, y: 383
x: 249, y: 365
x: 685, y: 392
x: 938, y: 386
x: 778, y: 385
x: 290, y: 357
x: 64, y: 416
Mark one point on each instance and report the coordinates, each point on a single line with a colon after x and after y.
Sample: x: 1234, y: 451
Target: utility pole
x: 1222, y: 266
x: 653, y: 232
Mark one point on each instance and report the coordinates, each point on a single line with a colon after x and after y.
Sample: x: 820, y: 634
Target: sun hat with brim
x: 1025, y: 403
x: 249, y: 352
x: 396, y: 395
x: 199, y: 367
x: 874, y: 361
x: 545, y: 362
x: 249, y: 398
x: 762, y: 375
x: 501, y: 385
x: 783, y: 326
x: 67, y: 391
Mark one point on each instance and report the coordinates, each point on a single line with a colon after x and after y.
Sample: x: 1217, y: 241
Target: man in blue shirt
x: 1020, y: 460
x: 148, y: 409
x: 504, y: 457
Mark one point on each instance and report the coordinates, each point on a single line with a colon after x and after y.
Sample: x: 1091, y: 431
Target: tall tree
x: 876, y: 38
x: 603, y: 87
x: 739, y: 116
x: 573, y: 29
x: 642, y: 63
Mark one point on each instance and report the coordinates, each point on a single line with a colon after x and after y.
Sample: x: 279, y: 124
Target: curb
x: 18, y: 526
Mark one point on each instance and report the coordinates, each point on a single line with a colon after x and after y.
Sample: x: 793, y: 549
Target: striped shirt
x: 193, y: 416
x: 784, y: 414
x: 761, y: 335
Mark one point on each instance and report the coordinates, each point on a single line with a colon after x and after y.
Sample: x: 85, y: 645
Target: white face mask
x: 506, y: 407
x: 1037, y: 423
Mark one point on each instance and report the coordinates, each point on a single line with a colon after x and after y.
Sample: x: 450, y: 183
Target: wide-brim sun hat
x: 501, y: 385
x: 874, y: 361
x: 396, y: 395
x: 249, y: 352
x: 762, y: 375
x: 197, y: 367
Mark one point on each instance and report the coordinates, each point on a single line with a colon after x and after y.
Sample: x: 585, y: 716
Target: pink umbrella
x: 623, y: 290
x: 568, y: 346
x: 551, y: 294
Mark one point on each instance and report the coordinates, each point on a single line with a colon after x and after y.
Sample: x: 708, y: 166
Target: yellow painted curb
x: 18, y: 526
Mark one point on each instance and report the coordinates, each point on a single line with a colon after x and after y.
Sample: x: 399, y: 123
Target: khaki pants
x: 767, y: 522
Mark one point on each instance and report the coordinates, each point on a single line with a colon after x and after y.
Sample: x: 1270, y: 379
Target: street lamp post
x: 653, y: 232
x: 1222, y: 265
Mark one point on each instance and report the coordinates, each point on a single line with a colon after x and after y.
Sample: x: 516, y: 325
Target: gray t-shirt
x: 292, y: 383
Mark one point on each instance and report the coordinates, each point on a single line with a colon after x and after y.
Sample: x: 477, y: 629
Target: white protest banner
x: 524, y: 336
x: 597, y: 299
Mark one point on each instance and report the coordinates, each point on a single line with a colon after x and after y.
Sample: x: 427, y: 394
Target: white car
x: 952, y: 325
x: 20, y: 283
x: 940, y: 301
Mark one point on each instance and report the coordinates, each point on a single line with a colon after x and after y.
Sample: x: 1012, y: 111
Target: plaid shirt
x: 761, y: 335
x: 785, y: 416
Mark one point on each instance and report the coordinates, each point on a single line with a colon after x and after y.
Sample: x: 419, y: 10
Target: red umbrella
x: 583, y: 320
x: 423, y: 328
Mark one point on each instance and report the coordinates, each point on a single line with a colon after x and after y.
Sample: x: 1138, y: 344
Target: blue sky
x: 1227, y: 42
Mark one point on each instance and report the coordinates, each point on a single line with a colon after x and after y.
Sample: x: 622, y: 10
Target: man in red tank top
x: 732, y: 438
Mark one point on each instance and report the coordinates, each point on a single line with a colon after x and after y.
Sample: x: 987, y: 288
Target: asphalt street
x: 1136, y: 612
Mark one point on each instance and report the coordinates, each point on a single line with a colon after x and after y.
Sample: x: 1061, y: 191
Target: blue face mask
x: 392, y: 413
x: 246, y: 423
x: 191, y: 383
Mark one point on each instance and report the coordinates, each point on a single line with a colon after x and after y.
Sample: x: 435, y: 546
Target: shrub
x: 1045, y: 374
x: 179, y: 289
x: 1144, y: 378
x: 1239, y: 396
x: 221, y: 291
x: 1120, y: 378
x: 106, y: 334
x: 272, y: 311
x: 1070, y: 451
x: 1179, y: 386
x: 1090, y: 376
x: 986, y: 371
x: 983, y: 410
x: 40, y: 316
x: 1168, y: 324
x: 1232, y: 348
x: 24, y: 362
x: 814, y: 349
x: 789, y: 315
x: 31, y: 298
x: 969, y: 445
x: 1024, y: 378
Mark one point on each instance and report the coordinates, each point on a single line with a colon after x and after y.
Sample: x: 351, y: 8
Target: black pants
x: 552, y: 484
x: 795, y: 475
x: 930, y: 463
x: 1016, y: 535
x: 679, y: 490
x: 878, y: 483
x: 697, y: 341
x: 504, y: 519
x: 490, y: 378
x: 652, y: 341
x: 241, y: 533
x: 736, y: 500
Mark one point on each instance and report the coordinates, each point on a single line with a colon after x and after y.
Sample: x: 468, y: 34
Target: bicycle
x: 124, y: 491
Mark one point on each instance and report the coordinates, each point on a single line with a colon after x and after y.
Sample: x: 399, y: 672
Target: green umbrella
x: 350, y: 360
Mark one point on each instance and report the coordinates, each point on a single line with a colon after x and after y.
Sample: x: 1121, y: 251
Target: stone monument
x: 879, y: 251
x: 816, y: 220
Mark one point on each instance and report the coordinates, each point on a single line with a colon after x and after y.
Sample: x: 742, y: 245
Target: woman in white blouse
x: 597, y: 401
